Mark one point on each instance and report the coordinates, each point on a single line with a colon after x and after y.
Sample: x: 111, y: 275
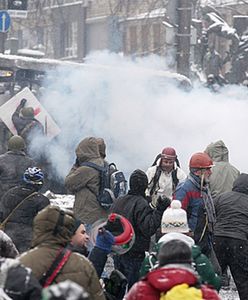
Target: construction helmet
x: 16, y: 143
x: 200, y: 160
x: 169, y: 153
x: 27, y: 112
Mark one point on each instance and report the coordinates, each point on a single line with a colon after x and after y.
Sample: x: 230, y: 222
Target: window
x: 156, y: 38
x: 133, y: 39
x: 68, y: 39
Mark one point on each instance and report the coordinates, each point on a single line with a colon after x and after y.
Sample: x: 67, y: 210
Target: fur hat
x: 174, y: 219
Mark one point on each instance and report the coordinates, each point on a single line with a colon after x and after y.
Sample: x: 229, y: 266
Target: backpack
x: 33, y: 126
x: 112, y: 183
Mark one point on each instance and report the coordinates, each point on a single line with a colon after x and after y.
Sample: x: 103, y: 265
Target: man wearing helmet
x: 196, y: 200
x: 164, y: 175
x: 20, y: 205
x: 13, y: 163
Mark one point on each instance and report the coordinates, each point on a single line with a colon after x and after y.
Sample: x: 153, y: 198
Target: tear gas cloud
x: 138, y: 114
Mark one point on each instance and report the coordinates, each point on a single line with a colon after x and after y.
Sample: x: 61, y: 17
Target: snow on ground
x: 67, y: 201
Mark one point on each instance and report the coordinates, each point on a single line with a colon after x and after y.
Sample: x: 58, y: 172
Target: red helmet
x: 200, y: 160
x: 169, y: 153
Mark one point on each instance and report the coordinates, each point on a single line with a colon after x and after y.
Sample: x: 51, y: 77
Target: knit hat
x: 174, y: 219
x: 138, y: 183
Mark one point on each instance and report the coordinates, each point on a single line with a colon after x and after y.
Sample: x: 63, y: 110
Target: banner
x: 8, y: 108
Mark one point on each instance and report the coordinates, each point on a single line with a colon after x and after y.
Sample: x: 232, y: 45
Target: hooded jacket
x: 223, y: 173
x: 84, y: 182
x: 12, y: 167
x: 163, y: 279
x: 51, y: 231
x: 232, y: 211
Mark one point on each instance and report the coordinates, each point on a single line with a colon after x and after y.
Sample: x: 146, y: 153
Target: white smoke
x: 138, y: 114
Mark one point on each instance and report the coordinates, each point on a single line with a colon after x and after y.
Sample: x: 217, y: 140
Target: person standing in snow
x: 196, y: 199
x: 230, y: 233
x: 174, y: 278
x: 53, y: 229
x: 223, y: 173
x: 145, y: 221
x: 84, y: 183
x: 13, y: 164
x: 20, y: 205
x: 164, y: 175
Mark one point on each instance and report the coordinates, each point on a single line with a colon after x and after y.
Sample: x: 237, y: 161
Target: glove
x: 23, y: 102
x: 163, y: 203
x: 105, y: 240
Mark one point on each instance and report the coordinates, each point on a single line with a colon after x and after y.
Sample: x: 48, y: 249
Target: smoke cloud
x: 138, y: 113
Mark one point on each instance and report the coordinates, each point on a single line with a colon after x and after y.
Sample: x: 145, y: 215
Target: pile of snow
x: 63, y: 201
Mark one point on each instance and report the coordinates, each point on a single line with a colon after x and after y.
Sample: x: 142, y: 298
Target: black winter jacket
x: 144, y: 219
x: 232, y: 211
x: 12, y: 167
x: 19, y: 226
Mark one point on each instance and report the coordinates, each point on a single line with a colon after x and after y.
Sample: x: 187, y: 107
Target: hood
x: 102, y: 147
x: 88, y: 150
x: 241, y: 184
x: 217, y: 151
x: 163, y: 279
x: 53, y: 225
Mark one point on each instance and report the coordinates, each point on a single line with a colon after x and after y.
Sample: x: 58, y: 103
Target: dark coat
x: 84, y: 182
x: 21, y: 122
x: 232, y: 211
x: 12, y: 167
x: 19, y: 226
x: 18, y: 282
x: 144, y: 219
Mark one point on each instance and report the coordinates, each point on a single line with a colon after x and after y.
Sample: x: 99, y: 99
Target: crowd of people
x: 186, y: 230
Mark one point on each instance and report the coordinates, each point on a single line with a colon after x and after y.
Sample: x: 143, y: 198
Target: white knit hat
x: 174, y: 219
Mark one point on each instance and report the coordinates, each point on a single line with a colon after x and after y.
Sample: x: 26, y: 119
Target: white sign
x: 23, y: 14
x: 8, y: 108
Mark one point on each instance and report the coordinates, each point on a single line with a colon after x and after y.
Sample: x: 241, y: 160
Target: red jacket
x: 163, y: 279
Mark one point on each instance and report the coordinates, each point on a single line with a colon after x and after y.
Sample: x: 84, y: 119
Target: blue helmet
x: 33, y: 176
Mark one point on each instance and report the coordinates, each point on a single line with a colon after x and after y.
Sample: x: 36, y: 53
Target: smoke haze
x: 138, y: 114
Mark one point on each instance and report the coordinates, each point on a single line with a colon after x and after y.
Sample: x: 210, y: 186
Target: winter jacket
x: 223, y: 173
x: 199, y: 206
x: 201, y: 264
x: 18, y: 282
x: 26, y: 127
x: 164, y: 186
x: 144, y: 219
x: 50, y: 233
x: 162, y: 280
x: 232, y: 211
x: 12, y: 167
x: 19, y: 225
x: 84, y: 182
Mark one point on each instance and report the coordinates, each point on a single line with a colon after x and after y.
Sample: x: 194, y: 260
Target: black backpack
x: 112, y: 183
